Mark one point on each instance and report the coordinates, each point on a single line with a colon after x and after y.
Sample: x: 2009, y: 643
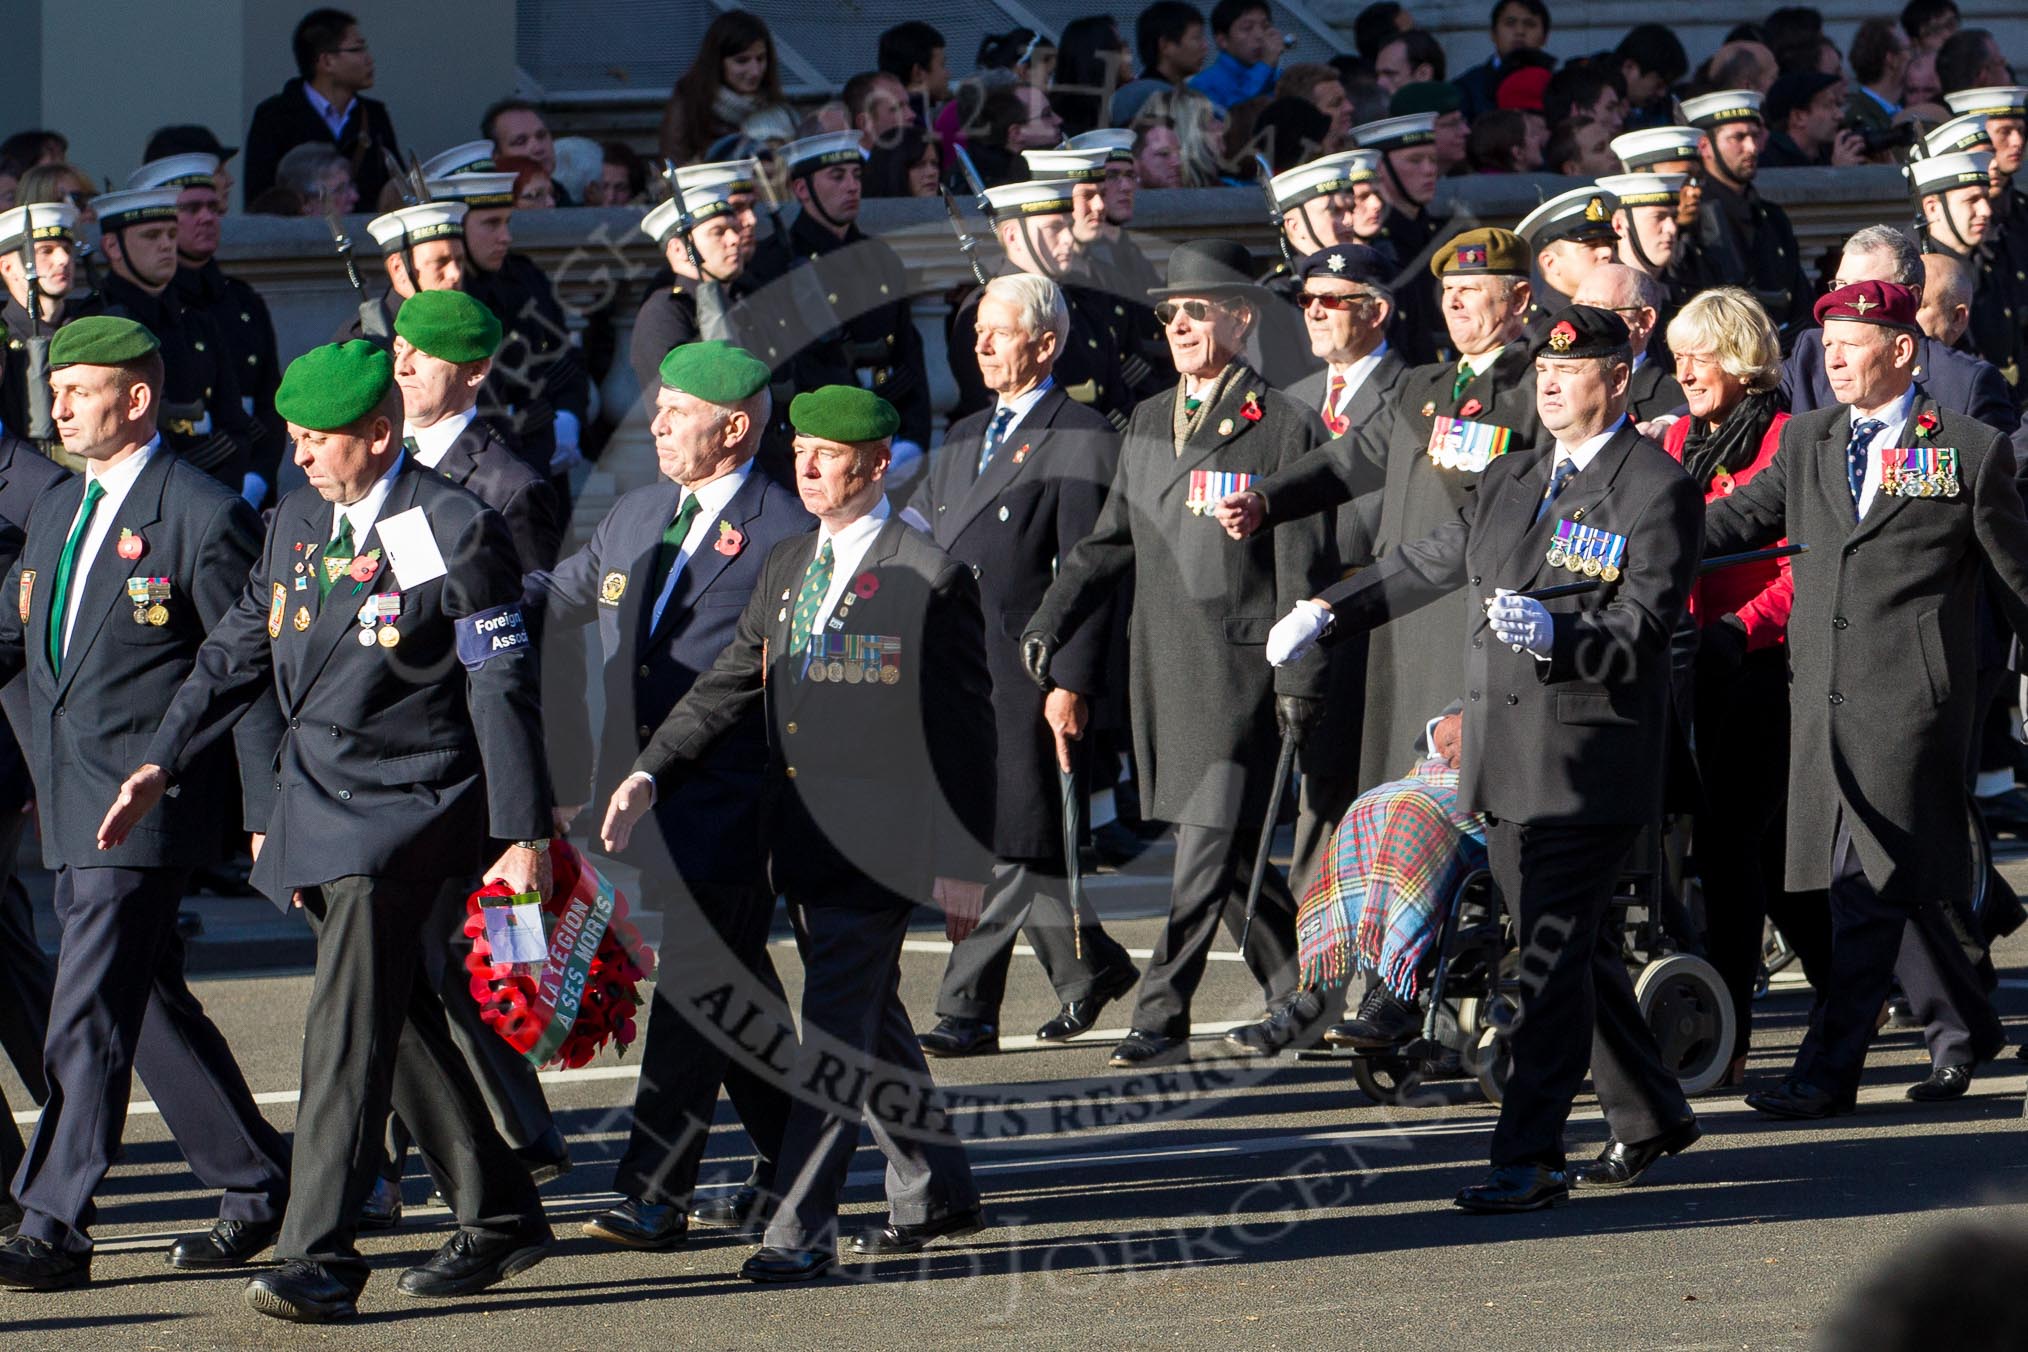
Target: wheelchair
x: 1472, y: 993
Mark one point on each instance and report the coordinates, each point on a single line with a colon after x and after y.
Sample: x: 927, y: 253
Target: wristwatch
x: 539, y: 846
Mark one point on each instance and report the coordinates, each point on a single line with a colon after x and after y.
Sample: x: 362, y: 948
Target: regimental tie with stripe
x: 1456, y: 443
x: 1207, y: 486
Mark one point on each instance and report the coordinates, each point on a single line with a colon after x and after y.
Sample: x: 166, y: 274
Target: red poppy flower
x: 1925, y: 423
x: 1471, y: 408
x: 131, y: 545
x: 865, y: 585
x: 1250, y: 410
x: 730, y: 541
x: 363, y: 569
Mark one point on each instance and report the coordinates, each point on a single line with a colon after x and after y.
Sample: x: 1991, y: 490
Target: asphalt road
x: 1219, y: 1205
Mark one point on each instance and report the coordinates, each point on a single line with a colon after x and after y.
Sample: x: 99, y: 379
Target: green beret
x: 843, y: 413
x: 1426, y: 96
x: 335, y: 385
x: 449, y: 325
x: 716, y: 372
x: 1488, y: 251
x: 100, y: 340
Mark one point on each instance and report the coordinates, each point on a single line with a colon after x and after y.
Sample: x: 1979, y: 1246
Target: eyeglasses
x: 1198, y: 310
x: 354, y: 50
x: 1306, y: 299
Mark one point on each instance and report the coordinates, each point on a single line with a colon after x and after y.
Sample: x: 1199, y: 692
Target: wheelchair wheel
x: 1391, y: 1081
x: 1690, y: 1013
x: 1489, y: 1060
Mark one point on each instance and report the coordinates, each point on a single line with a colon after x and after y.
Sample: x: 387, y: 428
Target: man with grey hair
x: 1637, y: 299
x: 1013, y: 488
x: 1946, y: 310
x: 321, y: 177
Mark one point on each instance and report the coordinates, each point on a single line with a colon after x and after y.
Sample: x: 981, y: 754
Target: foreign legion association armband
x: 489, y: 634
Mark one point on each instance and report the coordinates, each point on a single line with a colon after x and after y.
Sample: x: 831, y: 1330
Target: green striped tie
x: 673, y: 536
x: 59, y: 600
x: 1459, y: 381
x: 337, y: 558
x: 810, y: 600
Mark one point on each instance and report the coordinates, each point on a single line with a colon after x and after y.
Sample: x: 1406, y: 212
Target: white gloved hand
x: 1297, y: 632
x: 1521, y: 622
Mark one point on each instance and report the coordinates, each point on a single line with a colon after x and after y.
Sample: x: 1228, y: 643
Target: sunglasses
x: 1305, y: 299
x: 1198, y: 310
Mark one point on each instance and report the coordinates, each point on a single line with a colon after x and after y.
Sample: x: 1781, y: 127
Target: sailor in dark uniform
x: 1408, y: 182
x: 2004, y: 109
x: 1959, y: 221
x: 44, y: 233
x: 1570, y: 234
x: 424, y: 248
x: 1327, y: 202
x: 1648, y: 238
x: 1747, y: 239
x: 1670, y: 152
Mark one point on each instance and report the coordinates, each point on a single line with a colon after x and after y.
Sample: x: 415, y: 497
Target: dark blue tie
x: 1558, y: 477
x: 1001, y: 422
x: 1863, y: 430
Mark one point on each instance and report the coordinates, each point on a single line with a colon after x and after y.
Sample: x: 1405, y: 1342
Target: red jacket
x: 1759, y: 593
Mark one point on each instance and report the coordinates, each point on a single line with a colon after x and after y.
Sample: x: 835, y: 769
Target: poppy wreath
x: 587, y: 991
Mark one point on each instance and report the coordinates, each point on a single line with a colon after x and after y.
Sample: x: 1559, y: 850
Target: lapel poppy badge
x: 865, y: 585
x: 730, y: 540
x: 131, y: 546
x: 1471, y: 408
x: 1022, y: 452
x: 1250, y: 410
x: 1925, y: 424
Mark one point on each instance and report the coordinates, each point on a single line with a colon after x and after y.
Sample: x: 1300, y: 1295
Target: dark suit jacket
x: 1881, y: 642
x: 870, y: 781
x: 1652, y: 391
x: 286, y: 120
x: 538, y: 372
x: 89, y: 727
x: 241, y: 318
x: 710, y: 815
x: 25, y: 475
x: 1958, y: 381
x: 480, y: 462
x: 1201, y: 692
x: 1040, y: 495
x: 393, y: 762
x: 1579, y: 738
x: 1087, y: 366
x: 866, y: 287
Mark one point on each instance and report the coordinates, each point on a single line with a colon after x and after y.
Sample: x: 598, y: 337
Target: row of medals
x: 1590, y: 567
x: 150, y: 611
x: 1934, y: 485
x: 370, y: 630
x: 851, y: 673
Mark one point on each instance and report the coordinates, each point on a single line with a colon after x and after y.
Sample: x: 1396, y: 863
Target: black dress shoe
x: 733, y: 1211
x: 1384, y: 1020
x: 1900, y: 1013
x: 1294, y: 1025
x: 1081, y: 1016
x: 1516, y: 1187
x: 1944, y: 1084
x: 1620, y: 1164
x: 786, y: 1265
x: 28, y: 1264
x: 892, y: 1238
x: 548, y: 1159
x: 382, y: 1208
x: 226, y: 1244
x: 635, y: 1224
x: 960, y: 1037
x: 10, y: 1215
x: 301, y: 1292
x: 1140, y: 1049
x: 470, y: 1262
x: 1796, y: 1100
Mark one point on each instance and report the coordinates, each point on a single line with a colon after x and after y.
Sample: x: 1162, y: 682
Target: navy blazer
x: 25, y: 475
x: 710, y: 816
x: 1958, y: 381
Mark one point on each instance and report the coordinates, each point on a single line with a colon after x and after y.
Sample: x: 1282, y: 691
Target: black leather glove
x: 1721, y: 646
x: 1297, y: 716
x: 1037, y: 648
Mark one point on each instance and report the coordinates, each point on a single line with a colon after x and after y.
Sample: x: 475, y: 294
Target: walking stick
x: 1073, y: 831
x: 1283, y: 764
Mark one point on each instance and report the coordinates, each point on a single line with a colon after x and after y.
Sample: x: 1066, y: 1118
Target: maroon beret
x: 1888, y: 303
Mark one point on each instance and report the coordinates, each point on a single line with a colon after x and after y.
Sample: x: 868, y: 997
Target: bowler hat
x: 1208, y: 267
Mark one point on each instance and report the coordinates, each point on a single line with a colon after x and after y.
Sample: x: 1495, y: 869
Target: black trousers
x: 1743, y: 769
x: 1322, y: 804
x: 1577, y: 1001
x: 1213, y: 866
x: 1867, y: 933
x: 1031, y: 898
x: 27, y: 978
x: 122, y: 1008
x: 708, y: 994
x: 378, y: 1035
x: 859, y: 1060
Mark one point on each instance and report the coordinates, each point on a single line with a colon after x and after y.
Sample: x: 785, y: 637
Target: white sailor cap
x: 1079, y: 166
x: 471, y: 157
x: 1397, y: 133
x: 1581, y: 213
x: 1117, y: 142
x: 1708, y: 112
x: 730, y: 176
x: 812, y: 153
x: 478, y: 191
x: 661, y: 224
x: 418, y: 224
x: 1968, y: 132
x: 1322, y: 177
x: 1644, y: 190
x: 1992, y: 100
x: 38, y: 221
x: 176, y: 171
x: 1034, y: 197
x: 133, y: 206
x: 1656, y: 145
x: 1959, y: 169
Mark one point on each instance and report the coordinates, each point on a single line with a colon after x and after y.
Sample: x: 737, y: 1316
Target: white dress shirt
x: 1587, y: 450
x: 711, y: 503
x: 1355, y: 376
x: 1893, y: 419
x: 1021, y: 404
x: 366, y: 511
x: 117, y: 482
x: 433, y: 443
x: 333, y: 119
x: 848, y: 547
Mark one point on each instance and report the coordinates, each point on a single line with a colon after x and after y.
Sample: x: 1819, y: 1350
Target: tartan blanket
x: 1393, y: 864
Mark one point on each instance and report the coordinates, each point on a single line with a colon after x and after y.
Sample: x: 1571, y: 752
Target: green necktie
x: 810, y: 600
x: 337, y: 557
x: 1459, y: 381
x: 673, y: 536
x: 59, y: 600
x: 1191, y: 403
